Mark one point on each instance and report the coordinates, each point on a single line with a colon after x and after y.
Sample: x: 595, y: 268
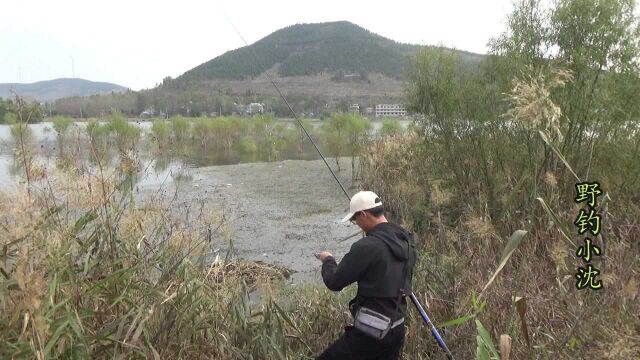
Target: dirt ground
x: 379, y: 85
x: 279, y: 212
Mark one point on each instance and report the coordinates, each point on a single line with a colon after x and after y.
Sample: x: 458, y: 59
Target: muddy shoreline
x: 278, y: 212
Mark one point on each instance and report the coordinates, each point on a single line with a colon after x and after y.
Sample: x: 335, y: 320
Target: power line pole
x: 73, y: 67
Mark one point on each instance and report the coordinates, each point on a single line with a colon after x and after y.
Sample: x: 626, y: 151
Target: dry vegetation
x: 534, y: 299
x: 89, y: 272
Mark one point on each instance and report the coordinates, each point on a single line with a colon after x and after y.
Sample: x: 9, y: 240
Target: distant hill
x: 50, y: 90
x: 310, y: 49
x: 332, y: 59
x: 321, y: 68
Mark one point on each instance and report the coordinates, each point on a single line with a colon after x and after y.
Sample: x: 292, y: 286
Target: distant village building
x: 148, y: 112
x: 390, y: 110
x: 254, y: 108
x: 368, y: 110
x: 354, y: 108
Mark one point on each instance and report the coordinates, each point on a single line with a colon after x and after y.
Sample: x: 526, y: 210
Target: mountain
x: 308, y: 49
x: 332, y: 59
x: 50, y: 90
x: 320, y: 68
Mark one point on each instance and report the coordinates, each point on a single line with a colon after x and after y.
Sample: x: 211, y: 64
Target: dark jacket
x: 376, y: 262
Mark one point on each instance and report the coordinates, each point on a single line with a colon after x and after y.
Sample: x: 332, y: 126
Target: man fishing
x: 382, y: 265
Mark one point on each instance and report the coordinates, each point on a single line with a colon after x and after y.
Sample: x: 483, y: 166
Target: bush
x: 61, y: 124
x: 179, y: 127
x: 247, y: 145
x: 390, y: 127
x: 161, y: 131
x: 126, y: 134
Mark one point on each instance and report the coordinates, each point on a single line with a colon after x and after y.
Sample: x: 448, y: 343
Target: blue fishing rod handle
x: 434, y: 331
x: 440, y: 342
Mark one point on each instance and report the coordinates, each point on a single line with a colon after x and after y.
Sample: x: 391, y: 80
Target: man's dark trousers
x: 356, y: 345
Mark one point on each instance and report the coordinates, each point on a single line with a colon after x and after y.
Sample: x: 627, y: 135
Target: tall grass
x: 161, y: 130
x: 390, y: 127
x: 61, y: 124
x: 179, y: 127
x: 126, y: 135
x: 88, y: 272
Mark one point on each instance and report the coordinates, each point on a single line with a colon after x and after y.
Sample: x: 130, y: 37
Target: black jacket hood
x: 395, y: 237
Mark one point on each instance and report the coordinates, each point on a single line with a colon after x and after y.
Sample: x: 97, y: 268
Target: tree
x: 579, y: 55
x: 19, y: 110
x: 334, y: 133
x: 598, y: 42
x: 160, y: 129
x: 61, y: 125
x: 6, y: 107
x: 357, y: 129
x: 390, y: 127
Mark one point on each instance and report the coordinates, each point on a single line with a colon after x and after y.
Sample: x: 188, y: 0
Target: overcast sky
x: 136, y: 43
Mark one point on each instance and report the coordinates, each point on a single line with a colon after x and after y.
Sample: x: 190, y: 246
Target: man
x: 382, y: 265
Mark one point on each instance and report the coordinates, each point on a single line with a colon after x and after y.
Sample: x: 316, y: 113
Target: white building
x: 390, y: 110
x: 254, y: 108
x: 354, y: 108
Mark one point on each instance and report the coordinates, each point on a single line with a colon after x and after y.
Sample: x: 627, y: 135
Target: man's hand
x: 324, y: 255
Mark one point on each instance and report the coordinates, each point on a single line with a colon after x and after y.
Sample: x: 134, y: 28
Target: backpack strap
x: 403, y: 279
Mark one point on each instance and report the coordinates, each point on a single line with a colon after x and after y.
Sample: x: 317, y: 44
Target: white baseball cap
x: 364, y: 200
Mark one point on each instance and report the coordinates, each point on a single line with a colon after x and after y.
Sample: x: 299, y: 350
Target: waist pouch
x: 373, y: 323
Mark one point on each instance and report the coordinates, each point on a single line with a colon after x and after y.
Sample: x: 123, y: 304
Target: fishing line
x: 295, y: 116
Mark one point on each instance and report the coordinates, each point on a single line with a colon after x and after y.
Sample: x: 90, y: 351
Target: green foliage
x: 97, y: 105
x: 358, y: 129
x: 20, y: 132
x: 227, y: 130
x: 61, y: 124
x: 501, y: 147
x: 308, y: 49
x: 179, y: 127
x: 263, y: 128
x: 202, y: 130
x: 6, y: 107
x: 126, y: 134
x: 96, y: 130
x: 334, y: 132
x: 161, y: 131
x: 597, y: 42
x: 19, y: 110
x: 390, y: 127
x: 246, y: 146
x: 571, y: 92
x: 10, y: 118
x: 345, y: 133
x: 485, y: 350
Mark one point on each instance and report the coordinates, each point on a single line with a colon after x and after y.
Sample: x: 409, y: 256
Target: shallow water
x: 279, y: 212
x: 161, y: 165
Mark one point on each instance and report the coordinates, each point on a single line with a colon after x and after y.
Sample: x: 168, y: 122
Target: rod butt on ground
x: 427, y: 321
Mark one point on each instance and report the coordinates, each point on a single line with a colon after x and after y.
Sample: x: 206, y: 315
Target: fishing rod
x: 295, y: 116
x: 412, y: 296
x: 427, y: 321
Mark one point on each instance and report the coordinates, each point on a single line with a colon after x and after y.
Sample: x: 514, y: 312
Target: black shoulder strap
x: 403, y: 279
